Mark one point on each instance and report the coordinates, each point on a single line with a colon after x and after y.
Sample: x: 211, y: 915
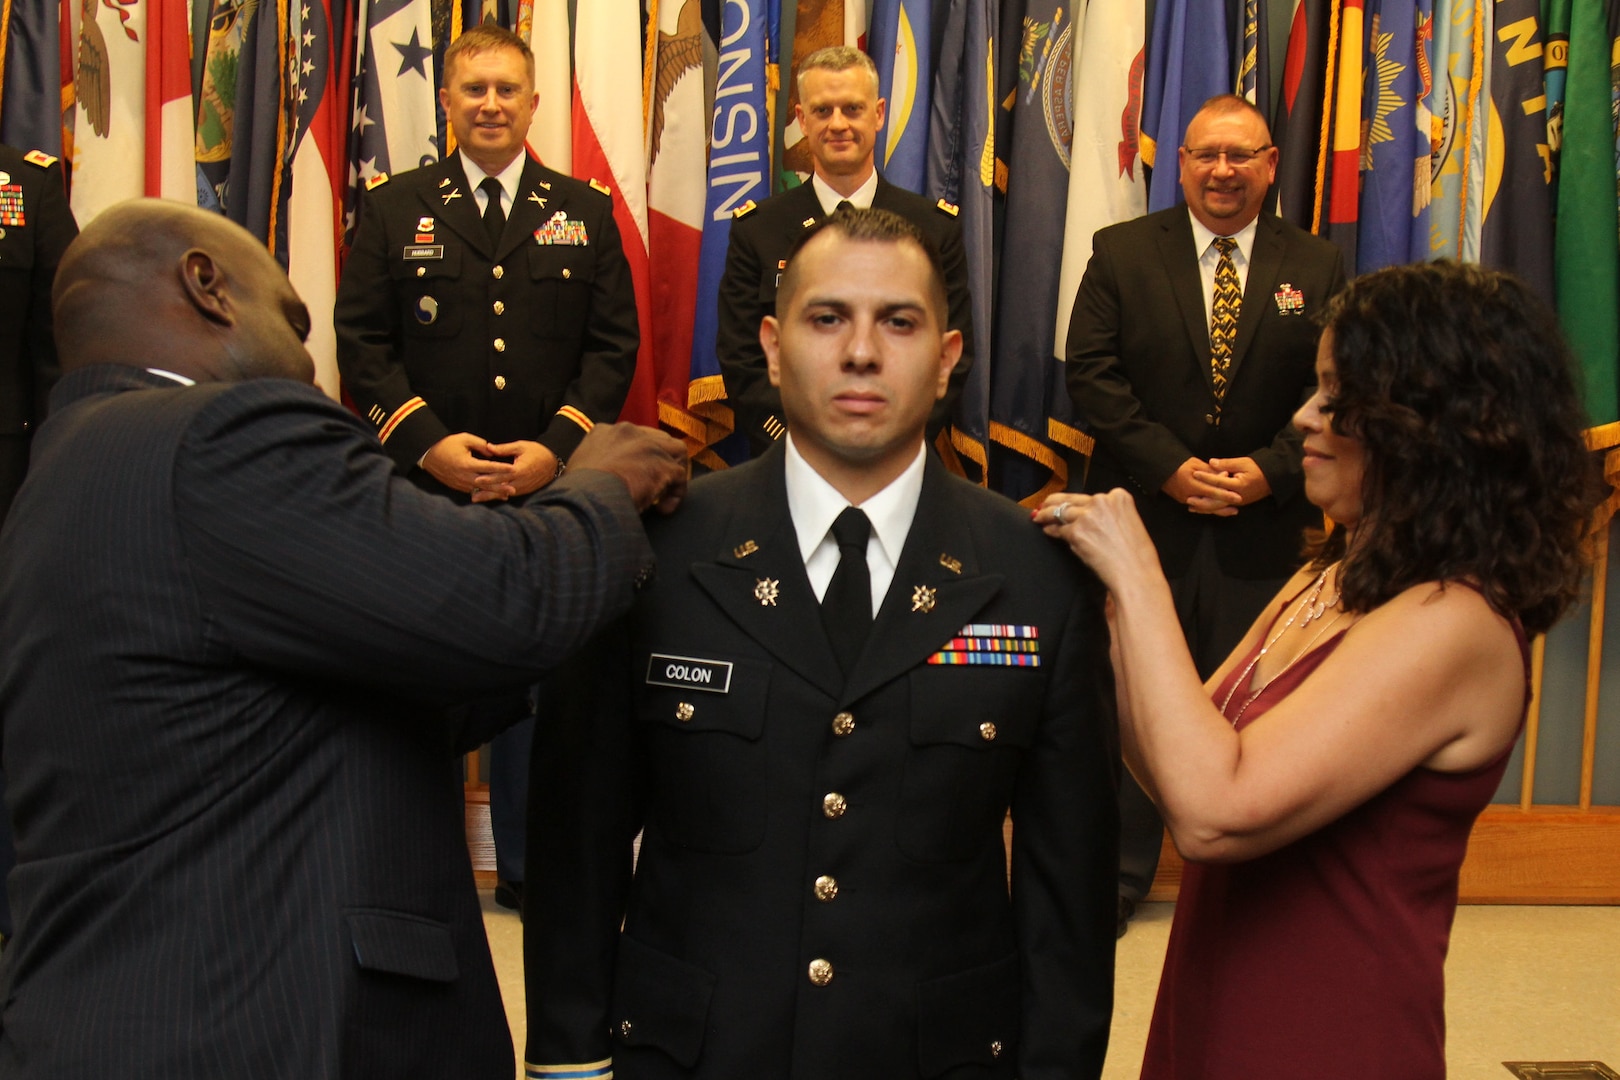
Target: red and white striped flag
x: 609, y: 146
x: 171, y: 165
x: 319, y: 173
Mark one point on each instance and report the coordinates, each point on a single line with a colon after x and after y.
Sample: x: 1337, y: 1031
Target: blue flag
x: 900, y: 43
x: 1027, y: 387
x: 1516, y: 232
x: 1393, y: 219
x: 32, y: 95
x: 394, y: 118
x: 961, y: 170
x: 1187, y: 64
x: 739, y: 173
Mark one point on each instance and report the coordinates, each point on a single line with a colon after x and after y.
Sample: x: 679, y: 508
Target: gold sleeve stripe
x: 590, y: 1070
x: 576, y: 416
x: 399, y: 415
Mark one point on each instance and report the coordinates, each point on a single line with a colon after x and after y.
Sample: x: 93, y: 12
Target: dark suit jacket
x: 437, y: 333
x: 760, y: 241
x: 224, y: 624
x: 29, y: 252
x: 935, y: 971
x: 1138, y: 371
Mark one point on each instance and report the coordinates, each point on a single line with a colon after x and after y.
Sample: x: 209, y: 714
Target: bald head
x: 157, y: 284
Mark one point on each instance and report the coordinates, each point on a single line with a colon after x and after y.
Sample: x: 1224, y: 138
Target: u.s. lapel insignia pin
x: 445, y: 182
x: 922, y: 599
x: 766, y: 590
x: 744, y: 549
x: 951, y: 563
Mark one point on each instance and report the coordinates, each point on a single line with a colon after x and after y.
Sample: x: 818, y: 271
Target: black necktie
x: 494, y: 216
x: 846, y: 608
x: 843, y: 204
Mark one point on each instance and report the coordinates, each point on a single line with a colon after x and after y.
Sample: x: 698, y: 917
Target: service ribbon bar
x: 992, y: 644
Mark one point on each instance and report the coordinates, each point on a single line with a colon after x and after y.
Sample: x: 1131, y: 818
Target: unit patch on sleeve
x: 994, y: 644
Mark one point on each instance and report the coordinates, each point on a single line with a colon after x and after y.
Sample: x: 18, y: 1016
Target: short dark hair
x: 870, y: 226
x: 1457, y: 382
x: 483, y: 38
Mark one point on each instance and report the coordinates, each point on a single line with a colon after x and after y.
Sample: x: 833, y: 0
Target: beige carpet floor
x: 1522, y: 984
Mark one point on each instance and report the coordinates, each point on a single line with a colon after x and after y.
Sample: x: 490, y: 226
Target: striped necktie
x: 1223, y: 318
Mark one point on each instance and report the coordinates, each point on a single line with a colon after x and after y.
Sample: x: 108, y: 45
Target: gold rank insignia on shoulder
x: 744, y: 549
x: 766, y: 591
x: 807, y: 222
x: 744, y: 210
x: 40, y: 158
x: 948, y: 208
x: 599, y: 186
x: 951, y: 563
x: 377, y: 181
x: 922, y: 599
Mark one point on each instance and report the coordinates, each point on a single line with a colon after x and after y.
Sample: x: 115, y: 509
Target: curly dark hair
x: 1458, y: 383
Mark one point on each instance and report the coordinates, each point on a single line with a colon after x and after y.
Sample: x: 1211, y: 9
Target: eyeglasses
x: 1205, y: 157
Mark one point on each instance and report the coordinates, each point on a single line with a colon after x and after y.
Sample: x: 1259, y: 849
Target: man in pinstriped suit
x: 224, y: 626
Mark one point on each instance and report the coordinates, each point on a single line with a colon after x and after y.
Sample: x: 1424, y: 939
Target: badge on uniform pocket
x: 427, y: 311
x: 689, y: 673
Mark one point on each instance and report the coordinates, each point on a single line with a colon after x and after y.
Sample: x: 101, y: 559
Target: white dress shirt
x: 815, y: 504
x: 1209, y: 256
x: 508, y: 177
x: 861, y: 198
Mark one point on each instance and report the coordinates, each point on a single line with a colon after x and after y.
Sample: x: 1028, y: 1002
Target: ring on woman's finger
x: 1057, y: 515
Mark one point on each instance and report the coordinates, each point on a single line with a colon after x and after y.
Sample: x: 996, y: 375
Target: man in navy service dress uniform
x: 841, y: 115
x: 483, y: 334
x: 1212, y: 459
x: 822, y: 886
x: 224, y: 624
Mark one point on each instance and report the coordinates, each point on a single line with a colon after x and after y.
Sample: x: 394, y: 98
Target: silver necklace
x: 1310, y: 608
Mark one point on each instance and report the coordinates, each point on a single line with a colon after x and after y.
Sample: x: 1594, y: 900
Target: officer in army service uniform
x: 485, y: 321
x: 484, y: 343
x: 841, y: 115
x: 36, y: 226
x: 822, y: 886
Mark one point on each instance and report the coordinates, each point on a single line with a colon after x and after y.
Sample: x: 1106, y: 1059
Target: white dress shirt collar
x: 508, y: 177
x: 814, y: 504
x: 1203, y: 238
x: 861, y: 198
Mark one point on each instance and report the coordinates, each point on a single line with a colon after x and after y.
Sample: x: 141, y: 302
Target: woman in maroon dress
x: 1323, y: 783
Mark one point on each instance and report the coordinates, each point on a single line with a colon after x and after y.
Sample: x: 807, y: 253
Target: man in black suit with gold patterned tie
x: 822, y: 886
x: 484, y: 334
x: 1191, y: 402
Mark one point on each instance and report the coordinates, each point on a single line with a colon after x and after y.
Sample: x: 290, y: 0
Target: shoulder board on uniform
x: 377, y: 181
x: 744, y: 210
x: 40, y: 158
x: 947, y: 208
x: 603, y: 188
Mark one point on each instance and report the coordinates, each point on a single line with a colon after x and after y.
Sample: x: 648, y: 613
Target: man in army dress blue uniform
x: 822, y: 888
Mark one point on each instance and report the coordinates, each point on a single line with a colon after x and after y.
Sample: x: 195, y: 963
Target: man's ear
x: 204, y: 283
x: 770, y: 340
x: 950, y: 351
